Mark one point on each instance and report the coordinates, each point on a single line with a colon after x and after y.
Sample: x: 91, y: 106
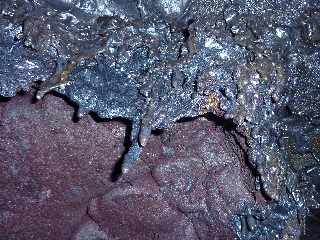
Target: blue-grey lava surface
x: 254, y: 65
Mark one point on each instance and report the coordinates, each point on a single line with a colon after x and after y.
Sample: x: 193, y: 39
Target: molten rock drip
x: 251, y: 67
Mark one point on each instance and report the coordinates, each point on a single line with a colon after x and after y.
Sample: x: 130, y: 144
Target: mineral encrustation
x: 252, y: 66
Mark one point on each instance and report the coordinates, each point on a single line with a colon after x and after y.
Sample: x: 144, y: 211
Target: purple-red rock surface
x: 56, y: 178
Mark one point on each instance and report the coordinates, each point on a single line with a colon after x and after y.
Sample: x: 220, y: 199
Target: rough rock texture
x: 51, y: 167
x: 253, y: 63
x: 190, y: 182
x: 56, y: 178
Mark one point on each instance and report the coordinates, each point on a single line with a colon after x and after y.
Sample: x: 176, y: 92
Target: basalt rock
x: 255, y: 65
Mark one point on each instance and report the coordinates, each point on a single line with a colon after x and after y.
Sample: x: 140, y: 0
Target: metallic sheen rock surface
x: 253, y: 65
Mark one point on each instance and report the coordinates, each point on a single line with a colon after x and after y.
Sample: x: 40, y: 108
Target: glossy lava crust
x: 155, y: 62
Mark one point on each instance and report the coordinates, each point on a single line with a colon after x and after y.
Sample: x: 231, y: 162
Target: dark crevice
x: 186, y: 34
x: 4, y: 99
x: 7, y: 99
x: 229, y: 126
x: 67, y: 100
x: 263, y: 191
x: 99, y: 119
x: 223, y: 92
x: 117, y: 169
x: 253, y: 170
x: 185, y: 31
x: 21, y: 92
x: 157, y: 132
x: 116, y: 173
